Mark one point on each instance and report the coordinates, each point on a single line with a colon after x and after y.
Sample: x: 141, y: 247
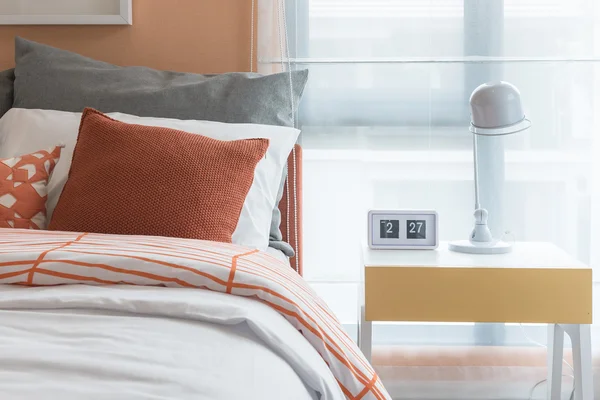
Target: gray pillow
x: 7, y: 80
x: 50, y: 78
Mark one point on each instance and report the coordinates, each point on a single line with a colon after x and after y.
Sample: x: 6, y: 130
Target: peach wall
x: 207, y: 36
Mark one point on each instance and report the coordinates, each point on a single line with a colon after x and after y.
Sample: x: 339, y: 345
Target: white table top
x: 524, y: 255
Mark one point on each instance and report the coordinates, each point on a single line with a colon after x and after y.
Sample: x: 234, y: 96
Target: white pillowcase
x: 23, y: 131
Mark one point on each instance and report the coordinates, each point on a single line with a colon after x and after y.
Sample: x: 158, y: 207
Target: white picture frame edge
x: 125, y: 17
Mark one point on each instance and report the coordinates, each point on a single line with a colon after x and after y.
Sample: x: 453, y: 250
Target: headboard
x: 291, y: 207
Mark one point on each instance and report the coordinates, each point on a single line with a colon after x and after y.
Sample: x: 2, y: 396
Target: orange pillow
x: 23, y: 189
x: 144, y: 180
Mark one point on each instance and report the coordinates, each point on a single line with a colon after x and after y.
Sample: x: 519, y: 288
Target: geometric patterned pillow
x: 23, y: 189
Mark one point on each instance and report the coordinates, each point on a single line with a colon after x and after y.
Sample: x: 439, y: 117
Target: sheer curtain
x: 384, y: 125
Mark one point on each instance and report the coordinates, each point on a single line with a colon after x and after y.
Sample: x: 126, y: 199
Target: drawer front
x: 451, y: 294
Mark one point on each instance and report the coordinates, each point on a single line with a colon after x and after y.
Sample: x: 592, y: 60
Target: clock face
x: 397, y: 229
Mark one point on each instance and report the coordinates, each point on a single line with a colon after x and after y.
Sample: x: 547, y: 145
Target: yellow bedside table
x: 535, y: 283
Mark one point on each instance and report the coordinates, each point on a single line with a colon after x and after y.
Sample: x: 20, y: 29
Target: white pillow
x: 23, y: 131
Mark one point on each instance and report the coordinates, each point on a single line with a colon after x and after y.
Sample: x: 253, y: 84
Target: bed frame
x: 291, y: 207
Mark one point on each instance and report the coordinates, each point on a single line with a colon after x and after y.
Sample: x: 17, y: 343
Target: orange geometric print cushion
x: 23, y: 189
x: 145, y: 180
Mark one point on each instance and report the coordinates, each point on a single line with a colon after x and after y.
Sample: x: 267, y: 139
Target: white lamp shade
x: 496, y: 109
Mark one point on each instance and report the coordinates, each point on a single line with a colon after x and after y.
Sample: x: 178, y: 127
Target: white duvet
x: 250, y: 287
x: 126, y: 342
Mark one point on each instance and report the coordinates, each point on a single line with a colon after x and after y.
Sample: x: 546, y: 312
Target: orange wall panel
x: 205, y: 36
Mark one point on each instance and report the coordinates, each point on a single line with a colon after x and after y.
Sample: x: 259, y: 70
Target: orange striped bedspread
x: 43, y: 258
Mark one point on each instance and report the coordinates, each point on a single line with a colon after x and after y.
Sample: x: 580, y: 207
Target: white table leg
x: 581, y: 338
x: 556, y: 338
x: 365, y: 335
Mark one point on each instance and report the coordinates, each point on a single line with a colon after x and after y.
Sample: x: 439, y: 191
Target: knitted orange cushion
x: 142, y: 180
x: 23, y: 189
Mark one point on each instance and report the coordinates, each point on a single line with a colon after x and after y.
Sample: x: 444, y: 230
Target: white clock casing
x: 403, y: 229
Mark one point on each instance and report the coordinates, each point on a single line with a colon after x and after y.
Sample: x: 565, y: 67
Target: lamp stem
x: 476, y: 171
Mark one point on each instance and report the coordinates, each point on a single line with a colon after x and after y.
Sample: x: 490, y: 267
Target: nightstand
x: 535, y: 283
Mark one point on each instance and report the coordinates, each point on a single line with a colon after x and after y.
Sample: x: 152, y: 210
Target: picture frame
x: 68, y: 12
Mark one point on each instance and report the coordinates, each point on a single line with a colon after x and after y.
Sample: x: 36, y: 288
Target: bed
x: 66, y: 342
x: 115, y: 316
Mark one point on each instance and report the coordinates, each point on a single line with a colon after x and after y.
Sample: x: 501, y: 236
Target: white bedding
x: 125, y: 342
x: 209, y: 281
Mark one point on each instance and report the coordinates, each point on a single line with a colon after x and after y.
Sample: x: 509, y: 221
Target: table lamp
x: 496, y: 110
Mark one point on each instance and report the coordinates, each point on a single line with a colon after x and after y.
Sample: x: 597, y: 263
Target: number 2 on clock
x: 389, y: 227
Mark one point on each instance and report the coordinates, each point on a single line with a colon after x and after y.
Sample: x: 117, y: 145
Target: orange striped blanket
x: 29, y: 257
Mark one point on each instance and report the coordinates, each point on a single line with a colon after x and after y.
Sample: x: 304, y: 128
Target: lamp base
x: 466, y: 246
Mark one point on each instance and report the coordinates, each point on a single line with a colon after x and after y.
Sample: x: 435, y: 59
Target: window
x: 397, y: 66
x: 385, y: 114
